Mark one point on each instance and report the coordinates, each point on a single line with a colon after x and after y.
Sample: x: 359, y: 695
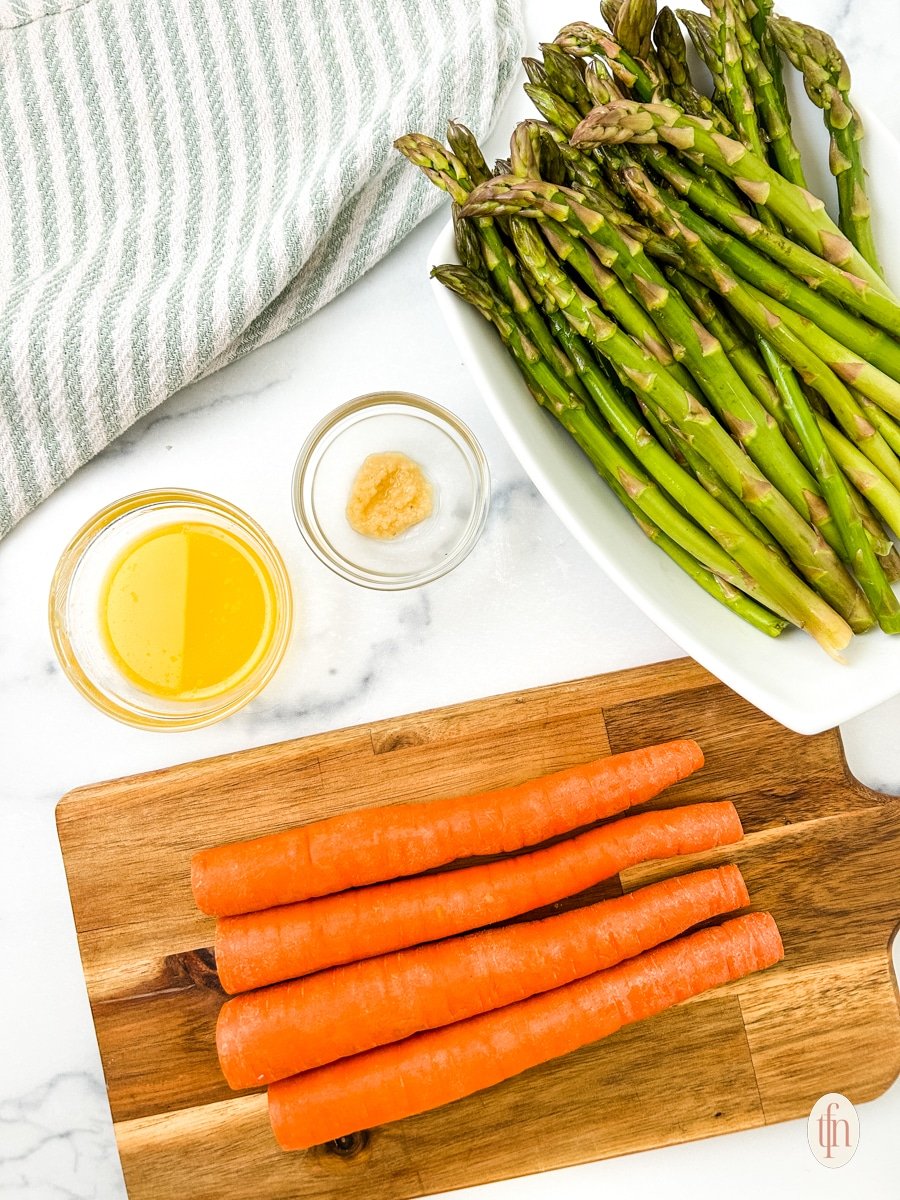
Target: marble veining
x: 48, y: 1152
x: 526, y: 608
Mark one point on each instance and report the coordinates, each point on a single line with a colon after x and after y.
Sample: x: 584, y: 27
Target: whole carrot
x: 283, y: 943
x: 270, y: 1034
x: 433, y: 1068
x: 374, y: 844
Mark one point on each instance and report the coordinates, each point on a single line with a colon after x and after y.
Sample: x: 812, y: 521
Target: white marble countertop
x: 492, y: 626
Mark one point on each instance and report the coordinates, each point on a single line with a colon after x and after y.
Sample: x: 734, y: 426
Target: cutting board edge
x: 562, y: 1165
x: 799, y: 1113
x: 695, y: 677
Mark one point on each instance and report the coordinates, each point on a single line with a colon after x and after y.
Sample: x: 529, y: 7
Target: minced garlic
x: 390, y: 494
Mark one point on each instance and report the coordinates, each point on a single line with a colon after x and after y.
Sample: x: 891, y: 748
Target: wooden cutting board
x: 821, y: 852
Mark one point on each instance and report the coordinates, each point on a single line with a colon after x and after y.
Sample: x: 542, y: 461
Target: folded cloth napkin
x: 183, y: 180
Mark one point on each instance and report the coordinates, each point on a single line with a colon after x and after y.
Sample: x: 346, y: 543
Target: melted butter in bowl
x: 187, y: 611
x: 170, y: 609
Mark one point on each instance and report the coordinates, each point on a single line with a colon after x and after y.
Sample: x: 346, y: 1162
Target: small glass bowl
x: 75, y: 616
x: 443, y: 447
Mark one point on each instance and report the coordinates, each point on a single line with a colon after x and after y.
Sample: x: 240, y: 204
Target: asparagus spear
x: 872, y: 344
x: 891, y: 564
x: 742, y: 606
x: 864, y: 475
x: 450, y: 173
x: 671, y: 50
x: 532, y: 152
x: 603, y: 91
x: 633, y: 26
x: 886, y: 425
x: 629, y: 482
x: 553, y: 108
x: 785, y: 592
x: 671, y: 54
x: 587, y: 363
x: 645, y: 79
x: 857, y: 543
x: 757, y: 378
x: 741, y: 355
x: 864, y: 562
x: 561, y: 119
x: 681, y: 449
x: 580, y: 39
x: 641, y: 373
x: 755, y: 375
x: 566, y: 77
x: 601, y: 84
x: 756, y: 16
x: 735, y: 89
x: 854, y: 369
x: 609, y: 401
x: 609, y: 11
x: 702, y: 34
x: 468, y: 243
x: 583, y: 162
x: 584, y: 172
x: 610, y: 456
x: 826, y: 78
x: 771, y: 320
x: 745, y: 359
x: 614, y: 298
x: 701, y: 353
x: 851, y: 291
x: 861, y: 432
x: 741, y: 105
x: 660, y: 248
x: 799, y: 210
x: 736, y: 45
x: 753, y: 99
x: 606, y: 396
x: 664, y: 430
x: 464, y: 144
x: 759, y: 59
x: 536, y: 72
x: 565, y: 117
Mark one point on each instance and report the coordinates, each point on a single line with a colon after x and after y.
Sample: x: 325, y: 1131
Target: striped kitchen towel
x: 183, y: 180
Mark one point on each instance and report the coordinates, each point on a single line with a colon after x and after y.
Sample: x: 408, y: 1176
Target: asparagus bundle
x: 826, y: 77
x: 724, y: 354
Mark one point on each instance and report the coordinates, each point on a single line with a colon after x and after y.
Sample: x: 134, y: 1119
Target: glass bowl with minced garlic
x: 391, y: 491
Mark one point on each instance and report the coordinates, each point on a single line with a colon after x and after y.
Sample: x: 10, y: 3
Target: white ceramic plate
x: 789, y: 677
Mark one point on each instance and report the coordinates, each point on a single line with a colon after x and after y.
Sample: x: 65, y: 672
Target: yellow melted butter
x: 187, y: 611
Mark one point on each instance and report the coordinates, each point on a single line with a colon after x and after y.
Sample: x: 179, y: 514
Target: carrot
x: 283, y: 943
x: 270, y: 1034
x: 374, y: 844
x: 433, y: 1068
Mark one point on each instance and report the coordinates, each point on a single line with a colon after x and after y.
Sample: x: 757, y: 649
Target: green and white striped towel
x: 183, y: 180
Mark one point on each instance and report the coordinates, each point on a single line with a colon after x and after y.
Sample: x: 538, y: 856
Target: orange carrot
x: 270, y: 1034
x: 433, y: 1068
x: 374, y: 844
x: 283, y: 943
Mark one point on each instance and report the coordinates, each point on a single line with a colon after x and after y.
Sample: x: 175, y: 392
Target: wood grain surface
x: 821, y: 852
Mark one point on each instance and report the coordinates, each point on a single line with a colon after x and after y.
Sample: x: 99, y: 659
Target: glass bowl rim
x: 64, y: 573
x: 360, y: 575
